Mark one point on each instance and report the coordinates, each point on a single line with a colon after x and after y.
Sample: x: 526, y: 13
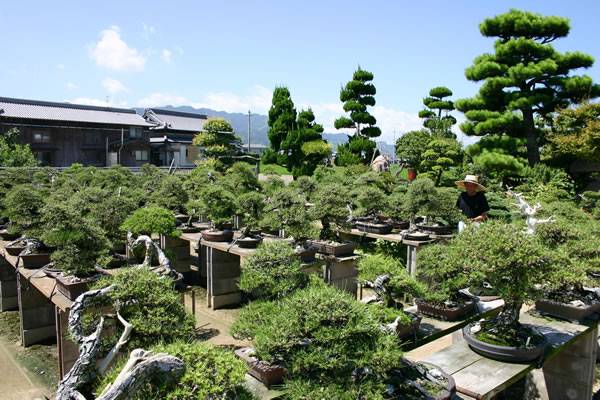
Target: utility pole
x: 249, y: 131
x: 394, y: 151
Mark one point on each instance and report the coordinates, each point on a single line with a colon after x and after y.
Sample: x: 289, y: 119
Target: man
x: 472, y: 203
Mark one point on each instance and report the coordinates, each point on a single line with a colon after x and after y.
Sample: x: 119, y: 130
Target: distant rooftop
x: 175, y: 120
x: 54, y: 111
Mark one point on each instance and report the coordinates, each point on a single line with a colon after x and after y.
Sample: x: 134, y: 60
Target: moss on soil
x: 40, y: 359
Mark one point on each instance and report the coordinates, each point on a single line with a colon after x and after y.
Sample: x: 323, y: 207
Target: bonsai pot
x: 267, y: 374
x: 447, y: 314
x: 182, y: 218
x: 381, y: 228
x: 249, y: 242
x: 4, y: 235
x: 417, y: 236
x: 14, y: 250
x: 225, y: 226
x: 564, y: 310
x: 504, y: 353
x: 450, y: 388
x: 188, y: 229
x: 34, y: 260
x: 70, y: 286
x: 334, y: 249
x: 217, y: 236
x: 410, y: 330
x: 434, y: 229
x: 400, y: 224
x: 306, y: 254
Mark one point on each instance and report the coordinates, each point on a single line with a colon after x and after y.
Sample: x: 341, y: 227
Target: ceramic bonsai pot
x: 447, y: 314
x: 450, y: 387
x: 14, y: 250
x: 504, y: 353
x: 217, y: 236
x: 417, y: 236
x: 306, y: 254
x: 4, y: 235
x: 334, y: 249
x: 34, y: 260
x: 380, y: 229
x: 249, y: 242
x: 565, y: 311
x: 434, y: 229
x: 70, y: 286
x: 267, y: 374
x: 410, y: 330
x: 188, y: 229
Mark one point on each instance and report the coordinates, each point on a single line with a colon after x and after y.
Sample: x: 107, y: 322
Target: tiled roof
x: 176, y: 120
x: 51, y: 111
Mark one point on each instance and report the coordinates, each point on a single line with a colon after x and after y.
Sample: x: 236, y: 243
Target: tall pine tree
x: 357, y: 95
x: 525, y: 78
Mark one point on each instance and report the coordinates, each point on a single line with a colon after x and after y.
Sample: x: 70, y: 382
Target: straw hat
x: 471, y: 179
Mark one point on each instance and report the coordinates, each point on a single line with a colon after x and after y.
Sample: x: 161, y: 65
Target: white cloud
x: 71, y: 85
x: 390, y: 120
x: 148, y: 31
x: 258, y: 102
x: 179, y: 50
x: 114, y: 86
x: 113, y: 53
x: 60, y: 66
x: 166, y: 55
x: 96, y: 102
x: 162, y: 99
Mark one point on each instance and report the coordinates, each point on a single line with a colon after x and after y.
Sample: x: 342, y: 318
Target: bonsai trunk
x: 533, y: 150
x: 509, y: 316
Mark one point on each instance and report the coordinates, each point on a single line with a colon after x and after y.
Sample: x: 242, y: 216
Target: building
x: 61, y: 134
x: 171, y: 136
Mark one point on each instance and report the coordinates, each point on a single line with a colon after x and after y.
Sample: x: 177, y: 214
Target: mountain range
x: 258, y: 126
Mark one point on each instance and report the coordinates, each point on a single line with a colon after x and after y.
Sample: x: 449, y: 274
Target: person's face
x: 471, y: 188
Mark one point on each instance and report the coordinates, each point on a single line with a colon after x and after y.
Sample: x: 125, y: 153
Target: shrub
x: 170, y: 194
x: 210, y: 373
x: 330, y: 207
x: 150, y: 303
x: 146, y: 221
x: 23, y: 205
x: 400, y: 283
x: 273, y: 270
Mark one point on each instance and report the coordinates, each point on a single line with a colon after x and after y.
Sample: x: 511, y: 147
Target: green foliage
x: 252, y: 205
x: 170, y: 194
x: 442, y: 273
x: 272, y: 271
x: 499, y: 156
x: 218, y: 203
x: 356, y: 96
x: 150, y: 303
x: 211, y: 372
x: 216, y: 140
x: 423, y: 198
x: 320, y: 334
x: 369, y: 200
x: 114, y: 178
x: 400, y: 283
x: 12, y: 154
x: 432, y: 114
x: 286, y: 209
x: 23, y: 206
x: 499, y: 206
x: 146, y: 221
x: 241, y: 179
x: 330, y: 202
x: 409, y: 147
x: 10, y: 178
x: 524, y: 78
x: 81, y: 244
x: 440, y: 155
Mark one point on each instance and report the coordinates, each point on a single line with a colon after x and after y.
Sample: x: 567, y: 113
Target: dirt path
x: 17, y: 383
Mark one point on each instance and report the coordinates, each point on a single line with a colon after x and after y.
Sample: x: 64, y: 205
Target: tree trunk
x: 509, y: 316
x: 529, y: 131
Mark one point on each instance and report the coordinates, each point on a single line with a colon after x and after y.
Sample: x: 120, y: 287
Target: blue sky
x: 230, y: 55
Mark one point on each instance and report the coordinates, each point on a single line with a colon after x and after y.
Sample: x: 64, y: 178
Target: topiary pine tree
x: 357, y: 95
x: 524, y: 78
x: 282, y: 116
x: 432, y: 115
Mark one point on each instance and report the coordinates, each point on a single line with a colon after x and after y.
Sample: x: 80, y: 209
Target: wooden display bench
x: 413, y: 246
x: 567, y: 371
x: 219, y: 266
x: 43, y: 311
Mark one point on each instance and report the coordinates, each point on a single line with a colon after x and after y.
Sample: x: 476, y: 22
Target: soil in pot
x: 249, y: 242
x: 524, y: 345
x: 417, y: 236
x: 448, y: 312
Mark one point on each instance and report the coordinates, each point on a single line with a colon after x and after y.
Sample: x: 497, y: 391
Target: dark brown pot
x: 410, y: 330
x: 267, y: 374
x: 334, y: 249
x: 217, y: 236
x: 306, y: 254
x: 380, y: 229
x: 447, y: 314
x: 435, y: 229
x: 249, y: 242
x: 504, y: 353
x: 417, y: 236
x: 70, y: 288
x: 14, y: 250
x: 4, y: 235
x: 34, y: 260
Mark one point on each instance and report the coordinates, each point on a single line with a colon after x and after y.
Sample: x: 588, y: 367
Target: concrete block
x: 337, y: 271
x: 9, y: 303
x: 37, y: 317
x: 33, y: 336
x: 224, y: 286
x: 168, y: 242
x: 226, y: 300
x: 225, y: 270
x: 181, y: 253
x: 8, y: 288
x: 349, y: 285
x: 181, y: 265
x: 7, y: 272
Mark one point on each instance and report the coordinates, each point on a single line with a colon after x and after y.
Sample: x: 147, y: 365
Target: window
x: 41, y: 137
x: 135, y: 132
x: 94, y: 157
x: 141, y: 155
x: 93, y: 138
x: 44, y: 157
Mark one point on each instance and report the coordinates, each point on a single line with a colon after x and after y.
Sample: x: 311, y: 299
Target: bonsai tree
x: 513, y: 263
x: 395, y: 206
x: 252, y: 204
x: 436, y: 204
x: 146, y: 221
x: 330, y: 206
x: 81, y: 244
x: 218, y: 203
x: 286, y: 210
x: 370, y: 201
x: 272, y: 271
x: 23, y: 206
x: 170, y: 194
